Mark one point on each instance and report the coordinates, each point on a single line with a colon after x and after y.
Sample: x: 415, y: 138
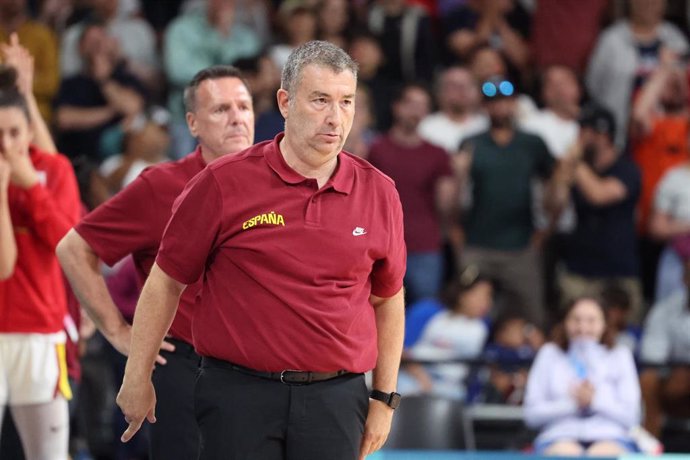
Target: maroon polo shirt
x: 132, y: 222
x: 288, y: 268
x: 416, y: 172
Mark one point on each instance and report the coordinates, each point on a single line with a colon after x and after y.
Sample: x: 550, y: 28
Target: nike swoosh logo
x: 359, y: 231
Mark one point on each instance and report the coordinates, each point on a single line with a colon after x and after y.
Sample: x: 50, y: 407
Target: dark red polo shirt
x: 132, y: 222
x: 288, y: 268
x: 416, y: 172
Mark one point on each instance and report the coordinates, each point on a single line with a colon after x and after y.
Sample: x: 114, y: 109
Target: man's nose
x: 334, y: 116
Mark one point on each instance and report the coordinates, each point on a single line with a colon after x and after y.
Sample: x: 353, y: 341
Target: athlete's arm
x: 82, y: 267
x: 390, y: 327
x: 152, y: 319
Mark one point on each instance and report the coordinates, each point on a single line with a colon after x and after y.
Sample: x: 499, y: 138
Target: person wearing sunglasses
x: 501, y: 163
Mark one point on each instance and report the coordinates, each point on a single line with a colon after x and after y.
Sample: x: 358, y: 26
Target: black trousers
x: 175, y: 435
x: 243, y: 417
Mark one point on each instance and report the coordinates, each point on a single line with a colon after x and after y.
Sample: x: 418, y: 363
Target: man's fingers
x: 151, y: 416
x: 14, y: 39
x: 160, y: 360
x: 367, y: 446
x: 167, y: 346
x: 131, y: 430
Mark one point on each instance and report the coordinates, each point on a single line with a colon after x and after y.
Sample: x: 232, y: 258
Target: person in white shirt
x: 557, y: 123
x: 459, y: 117
x: 458, y: 332
x: 665, y: 340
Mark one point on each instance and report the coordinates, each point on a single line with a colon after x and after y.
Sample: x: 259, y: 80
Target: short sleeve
x: 388, y: 272
x: 665, y: 192
x: 127, y: 223
x: 192, y: 231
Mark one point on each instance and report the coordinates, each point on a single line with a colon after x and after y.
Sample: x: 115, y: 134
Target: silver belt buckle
x: 282, y: 375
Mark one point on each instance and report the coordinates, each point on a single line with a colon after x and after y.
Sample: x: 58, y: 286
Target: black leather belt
x: 287, y: 376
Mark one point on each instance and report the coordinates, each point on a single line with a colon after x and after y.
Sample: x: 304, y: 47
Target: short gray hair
x: 315, y: 52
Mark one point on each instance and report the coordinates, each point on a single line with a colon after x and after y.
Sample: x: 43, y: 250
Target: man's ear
x: 283, y: 102
x: 190, y: 117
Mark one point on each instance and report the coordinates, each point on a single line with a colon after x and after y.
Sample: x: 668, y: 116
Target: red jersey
x: 287, y: 267
x: 33, y: 299
x: 416, y: 172
x: 132, y: 222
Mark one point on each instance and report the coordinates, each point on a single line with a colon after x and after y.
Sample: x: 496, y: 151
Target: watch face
x: 395, y: 400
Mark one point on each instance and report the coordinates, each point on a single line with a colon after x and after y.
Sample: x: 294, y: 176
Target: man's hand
x: 376, y: 428
x: 120, y: 340
x: 137, y: 402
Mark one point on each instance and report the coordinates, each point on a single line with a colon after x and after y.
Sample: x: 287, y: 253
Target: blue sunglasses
x: 503, y: 88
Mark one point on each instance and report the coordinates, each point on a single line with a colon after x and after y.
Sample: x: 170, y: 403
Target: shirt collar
x: 341, y: 180
x: 197, y: 156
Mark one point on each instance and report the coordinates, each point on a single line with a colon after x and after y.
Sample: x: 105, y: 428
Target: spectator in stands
x: 660, y: 148
x: 501, y: 163
x: 405, y: 35
x: 41, y: 43
x: 146, y: 143
x: 606, y: 186
x: 557, y: 125
x: 264, y: 80
x: 485, y: 63
x: 334, y: 22
x: 665, y: 341
x: 102, y: 95
x: 367, y: 52
x: 618, y: 306
x: 197, y: 39
x: 297, y: 22
x: 670, y: 221
x: 582, y: 391
x: 135, y: 37
x: 500, y: 24
x: 565, y: 31
x: 56, y: 14
x: 513, y: 345
x: 256, y: 15
x: 626, y: 53
x: 459, y: 115
x: 457, y: 332
x: 427, y: 188
x: 362, y: 134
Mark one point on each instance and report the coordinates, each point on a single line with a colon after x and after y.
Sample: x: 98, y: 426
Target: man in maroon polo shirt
x: 220, y: 115
x: 428, y: 190
x: 301, y: 251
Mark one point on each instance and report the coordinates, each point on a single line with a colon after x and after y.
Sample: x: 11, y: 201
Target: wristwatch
x: 392, y: 400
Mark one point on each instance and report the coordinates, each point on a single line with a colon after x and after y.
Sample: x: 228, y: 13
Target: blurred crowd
x: 540, y: 149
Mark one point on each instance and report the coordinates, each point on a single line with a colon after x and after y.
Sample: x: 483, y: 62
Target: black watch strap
x: 390, y: 399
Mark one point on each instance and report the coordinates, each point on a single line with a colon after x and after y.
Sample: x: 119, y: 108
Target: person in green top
x: 500, y: 165
x: 199, y: 38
